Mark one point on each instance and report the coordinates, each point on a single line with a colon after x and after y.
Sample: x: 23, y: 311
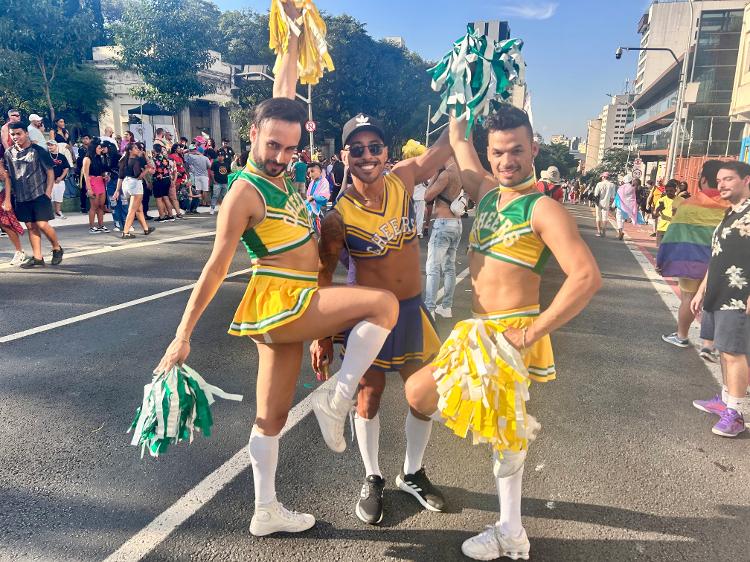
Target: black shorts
x: 36, y: 210
x: 161, y: 187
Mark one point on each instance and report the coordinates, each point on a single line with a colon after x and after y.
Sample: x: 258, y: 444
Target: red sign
x: 310, y: 126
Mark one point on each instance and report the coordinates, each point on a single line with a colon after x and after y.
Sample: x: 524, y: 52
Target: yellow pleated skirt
x: 274, y: 296
x: 483, y: 381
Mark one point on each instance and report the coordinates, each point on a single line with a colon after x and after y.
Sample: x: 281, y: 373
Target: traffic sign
x: 310, y: 126
x: 637, y: 173
x: 637, y: 162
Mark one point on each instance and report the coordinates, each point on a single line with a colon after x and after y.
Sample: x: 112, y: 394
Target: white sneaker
x: 18, y: 258
x: 492, y: 543
x: 444, y: 312
x: 211, y: 212
x: 61, y: 216
x: 274, y: 517
x: 331, y: 417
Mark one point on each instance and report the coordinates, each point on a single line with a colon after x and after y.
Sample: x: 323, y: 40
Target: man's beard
x: 264, y: 166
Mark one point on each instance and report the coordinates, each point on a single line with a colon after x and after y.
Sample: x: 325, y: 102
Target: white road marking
x: 107, y: 310
x: 128, y: 246
x: 156, y: 532
x: 671, y: 300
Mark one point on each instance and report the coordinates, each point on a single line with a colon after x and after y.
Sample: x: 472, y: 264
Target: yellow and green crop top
x: 374, y: 233
x: 286, y: 224
x: 505, y: 234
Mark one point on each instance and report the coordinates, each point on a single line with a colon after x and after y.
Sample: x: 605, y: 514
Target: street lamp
x: 672, y: 157
x: 259, y: 71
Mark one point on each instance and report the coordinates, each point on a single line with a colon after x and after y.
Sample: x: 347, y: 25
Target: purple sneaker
x: 714, y: 405
x: 731, y: 424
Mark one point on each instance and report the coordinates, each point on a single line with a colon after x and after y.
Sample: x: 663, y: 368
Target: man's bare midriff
x: 441, y: 210
x: 397, y: 272
x: 498, y: 285
x: 303, y: 258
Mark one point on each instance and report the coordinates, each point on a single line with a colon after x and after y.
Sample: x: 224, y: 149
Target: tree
x: 614, y: 161
x: 45, y: 38
x: 166, y: 42
x: 555, y: 155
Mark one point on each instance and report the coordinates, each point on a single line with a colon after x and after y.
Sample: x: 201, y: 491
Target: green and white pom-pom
x: 175, y: 404
x: 474, y: 73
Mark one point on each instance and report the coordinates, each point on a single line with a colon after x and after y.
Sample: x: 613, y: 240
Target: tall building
x: 494, y: 29
x: 739, y: 110
x: 712, y: 60
x: 613, y: 117
x: 575, y: 144
x: 666, y: 24
x: 593, y: 136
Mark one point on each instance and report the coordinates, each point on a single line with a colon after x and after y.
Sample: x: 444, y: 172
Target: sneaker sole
x: 408, y: 489
x: 680, y: 345
x: 364, y: 520
x: 265, y: 532
x: 722, y: 434
x: 320, y: 425
x: 515, y: 555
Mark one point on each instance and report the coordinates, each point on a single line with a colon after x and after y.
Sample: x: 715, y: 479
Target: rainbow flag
x: 686, y: 247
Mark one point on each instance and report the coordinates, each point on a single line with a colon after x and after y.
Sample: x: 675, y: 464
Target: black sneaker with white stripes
x: 419, y: 486
x: 369, y: 507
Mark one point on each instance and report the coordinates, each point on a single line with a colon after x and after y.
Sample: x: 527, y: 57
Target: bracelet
x: 523, y: 340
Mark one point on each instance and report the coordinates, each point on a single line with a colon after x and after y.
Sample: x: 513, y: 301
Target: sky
x: 569, y: 45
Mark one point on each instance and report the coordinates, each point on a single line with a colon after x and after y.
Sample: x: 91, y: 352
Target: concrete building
x: 396, y: 40
x: 712, y: 65
x: 593, y: 137
x: 613, y: 117
x: 559, y: 139
x: 494, y: 29
x: 206, y: 114
x: 665, y: 24
x: 576, y: 144
x: 739, y: 109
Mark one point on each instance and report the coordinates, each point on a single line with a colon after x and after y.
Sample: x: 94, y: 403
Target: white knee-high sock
x: 509, y: 491
x: 368, y: 439
x: 264, y: 456
x: 417, y: 436
x: 362, y: 347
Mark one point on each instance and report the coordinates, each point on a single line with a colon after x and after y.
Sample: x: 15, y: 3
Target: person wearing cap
x: 227, y: 150
x: 61, y: 167
x: 604, y: 196
x: 374, y: 220
x: 198, y: 167
x: 32, y: 178
x: 478, y: 384
x: 283, y: 305
x: 14, y: 116
x: 36, y: 131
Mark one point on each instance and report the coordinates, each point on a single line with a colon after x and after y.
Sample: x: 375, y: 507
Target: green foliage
x: 614, y: 162
x: 166, y: 42
x: 44, y: 38
x: 555, y: 155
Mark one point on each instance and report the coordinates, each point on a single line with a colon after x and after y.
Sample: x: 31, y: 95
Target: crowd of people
x: 110, y: 174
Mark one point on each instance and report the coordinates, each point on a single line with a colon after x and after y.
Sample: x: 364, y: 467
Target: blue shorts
x: 413, y: 339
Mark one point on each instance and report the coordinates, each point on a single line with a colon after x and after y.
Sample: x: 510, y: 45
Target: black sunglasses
x: 358, y: 150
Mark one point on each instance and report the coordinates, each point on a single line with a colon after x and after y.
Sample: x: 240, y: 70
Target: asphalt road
x: 624, y: 468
